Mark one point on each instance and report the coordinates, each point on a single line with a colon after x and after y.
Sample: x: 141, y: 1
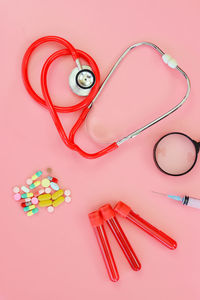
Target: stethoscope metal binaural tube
x: 138, y: 131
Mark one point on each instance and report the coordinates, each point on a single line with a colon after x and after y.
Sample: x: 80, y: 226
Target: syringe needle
x: 163, y: 194
x: 177, y: 198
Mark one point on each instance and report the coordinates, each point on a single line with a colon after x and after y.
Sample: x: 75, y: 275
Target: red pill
x: 52, y: 179
x: 24, y: 204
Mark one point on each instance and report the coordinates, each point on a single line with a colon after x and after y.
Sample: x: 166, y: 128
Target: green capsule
x: 34, y: 185
x: 27, y: 195
x: 32, y: 212
x: 30, y: 207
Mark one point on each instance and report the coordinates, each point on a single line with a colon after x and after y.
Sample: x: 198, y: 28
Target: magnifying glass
x: 176, y: 153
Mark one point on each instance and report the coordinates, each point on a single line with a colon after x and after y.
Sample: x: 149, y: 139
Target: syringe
x: 186, y: 200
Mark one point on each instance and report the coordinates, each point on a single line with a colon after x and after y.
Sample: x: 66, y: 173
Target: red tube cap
x: 107, y: 212
x: 122, y: 209
x: 95, y: 218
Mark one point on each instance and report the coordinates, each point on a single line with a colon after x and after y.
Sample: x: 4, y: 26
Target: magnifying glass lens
x: 175, y: 154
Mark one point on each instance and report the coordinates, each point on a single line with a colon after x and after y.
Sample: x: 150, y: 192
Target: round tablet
x: 45, y: 182
x: 34, y: 200
x: 17, y: 196
x: 50, y: 209
x: 67, y: 192
x: 68, y: 199
x: 48, y: 190
x: 16, y: 189
x: 29, y: 181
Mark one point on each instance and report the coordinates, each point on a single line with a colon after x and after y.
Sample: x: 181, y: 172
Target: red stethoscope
x: 85, y: 81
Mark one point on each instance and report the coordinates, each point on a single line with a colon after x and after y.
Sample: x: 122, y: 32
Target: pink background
x: 56, y: 256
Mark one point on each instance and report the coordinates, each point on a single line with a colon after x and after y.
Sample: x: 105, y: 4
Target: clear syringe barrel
x: 192, y: 202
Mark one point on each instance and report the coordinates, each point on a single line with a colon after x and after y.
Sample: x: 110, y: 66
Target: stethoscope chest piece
x: 81, y: 81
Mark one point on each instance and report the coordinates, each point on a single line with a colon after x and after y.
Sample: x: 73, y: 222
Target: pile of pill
x: 41, y: 191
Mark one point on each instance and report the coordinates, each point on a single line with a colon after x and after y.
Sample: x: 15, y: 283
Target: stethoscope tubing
x: 75, y: 55
x: 68, y: 142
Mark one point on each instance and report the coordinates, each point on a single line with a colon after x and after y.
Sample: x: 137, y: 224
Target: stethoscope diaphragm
x: 81, y: 81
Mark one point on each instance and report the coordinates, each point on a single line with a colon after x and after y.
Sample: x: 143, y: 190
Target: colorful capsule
x: 54, y: 186
x: 58, y: 201
x: 30, y: 207
x: 45, y: 182
x: 45, y: 203
x: 32, y: 212
x: 25, y: 189
x: 24, y: 204
x: 52, y: 179
x: 27, y: 195
x: 34, y: 185
x: 57, y: 194
x: 36, y: 175
x: 44, y: 197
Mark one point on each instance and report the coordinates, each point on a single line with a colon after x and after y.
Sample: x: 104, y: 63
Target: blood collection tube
x: 96, y: 221
x: 126, y: 212
x: 110, y: 218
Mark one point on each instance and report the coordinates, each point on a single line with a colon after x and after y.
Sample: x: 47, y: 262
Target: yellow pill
x: 58, y: 201
x: 32, y: 212
x: 45, y: 203
x: 27, y: 195
x: 29, y: 213
x: 30, y: 207
x: 57, y: 194
x: 36, y: 175
x: 37, y: 183
x: 45, y: 182
x: 44, y: 197
x: 34, y: 185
